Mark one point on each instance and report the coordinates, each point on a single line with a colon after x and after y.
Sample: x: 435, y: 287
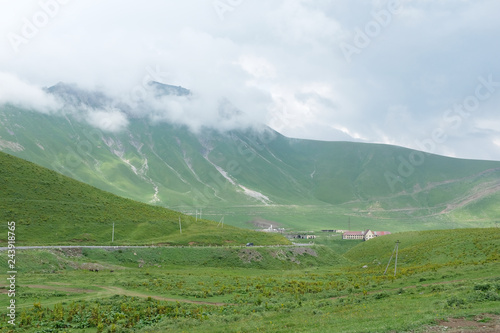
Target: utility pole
x: 113, y: 234
x: 396, y: 262
x: 349, y: 224
x: 180, y: 225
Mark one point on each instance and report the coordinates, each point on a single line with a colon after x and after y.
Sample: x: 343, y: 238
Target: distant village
x: 346, y: 234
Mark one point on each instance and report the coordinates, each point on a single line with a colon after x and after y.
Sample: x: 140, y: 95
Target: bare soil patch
x: 291, y: 254
x: 90, y: 266
x: 484, y: 323
x: 304, y: 250
x: 72, y: 252
x: 249, y: 255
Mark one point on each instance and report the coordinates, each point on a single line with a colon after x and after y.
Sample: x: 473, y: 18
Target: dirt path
x: 57, y: 288
x: 52, y: 287
x: 113, y: 291
x: 124, y: 292
x: 476, y: 193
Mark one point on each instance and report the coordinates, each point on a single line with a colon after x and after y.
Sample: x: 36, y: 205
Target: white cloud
x: 277, y: 61
x: 258, y: 67
x: 488, y: 124
x: 107, y: 120
x: 24, y: 95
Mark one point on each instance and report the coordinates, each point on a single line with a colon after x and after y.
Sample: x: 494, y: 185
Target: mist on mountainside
x: 155, y: 101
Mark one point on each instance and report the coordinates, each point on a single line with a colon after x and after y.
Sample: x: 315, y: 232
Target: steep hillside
x: 257, y: 173
x: 49, y: 208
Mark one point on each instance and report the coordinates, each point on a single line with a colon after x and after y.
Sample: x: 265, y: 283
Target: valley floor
x: 320, y: 288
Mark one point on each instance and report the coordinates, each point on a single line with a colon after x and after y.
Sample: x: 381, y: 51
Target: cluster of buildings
x: 346, y: 234
x: 304, y: 236
x: 364, y: 235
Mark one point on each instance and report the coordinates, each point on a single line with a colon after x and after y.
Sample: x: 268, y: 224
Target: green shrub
x: 482, y: 287
x: 381, y: 295
x: 455, y: 302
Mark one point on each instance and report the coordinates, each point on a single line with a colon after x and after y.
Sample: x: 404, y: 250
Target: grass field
x: 315, y: 218
x: 49, y: 208
x: 200, y: 276
x: 318, y: 288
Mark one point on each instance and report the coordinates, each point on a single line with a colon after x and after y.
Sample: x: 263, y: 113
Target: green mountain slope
x: 260, y: 174
x: 51, y: 209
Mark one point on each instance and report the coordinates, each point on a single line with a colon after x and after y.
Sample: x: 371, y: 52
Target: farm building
x: 353, y: 235
x: 305, y: 236
x: 364, y: 235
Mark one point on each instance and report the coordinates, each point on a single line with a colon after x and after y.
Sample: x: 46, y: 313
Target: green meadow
x: 332, y: 286
x: 197, y: 274
x: 51, y: 209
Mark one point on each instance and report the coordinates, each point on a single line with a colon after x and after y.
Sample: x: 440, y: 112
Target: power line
x: 396, y: 262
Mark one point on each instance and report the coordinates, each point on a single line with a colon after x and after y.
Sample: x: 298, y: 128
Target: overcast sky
x: 423, y: 74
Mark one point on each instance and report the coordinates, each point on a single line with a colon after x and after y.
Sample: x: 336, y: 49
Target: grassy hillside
x: 263, y: 289
x: 49, y: 208
x: 252, y: 174
x: 425, y: 250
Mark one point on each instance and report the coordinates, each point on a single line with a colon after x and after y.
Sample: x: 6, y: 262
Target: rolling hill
x: 256, y: 174
x: 52, y: 209
x: 440, y: 275
x: 432, y: 247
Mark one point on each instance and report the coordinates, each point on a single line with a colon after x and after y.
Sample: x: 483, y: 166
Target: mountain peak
x: 162, y: 89
x: 71, y: 94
